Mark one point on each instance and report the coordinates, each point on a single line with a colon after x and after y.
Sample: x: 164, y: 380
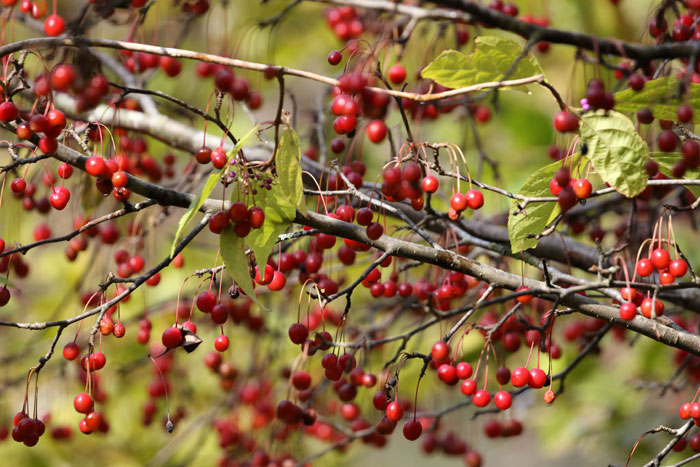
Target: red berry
x: 523, y: 298
x: 18, y: 185
x: 678, y: 268
x: 56, y: 119
x: 468, y: 387
x: 203, y: 155
x: 430, y: 184
x: 447, y: 373
x: 374, y: 230
x: 440, y: 351
x: 628, y: 293
x: 278, y: 281
x: 394, y: 411
x: 411, y: 172
x: 334, y: 57
x: 298, y: 333
x: 684, y: 411
x: 554, y: 187
x: 218, y: 158
x: 412, y: 430
x: 694, y: 410
x: 172, y: 337
x: 62, y: 77
x: 537, y: 378
x: 95, y: 166
x: 71, y: 351
x: 83, y: 403
x: 565, y: 122
x: 221, y: 343
x: 667, y: 141
x: 685, y: 113
x: 694, y: 442
x: 8, y: 111
x: 628, y: 311
x: 645, y: 267
x: 582, y: 188
x: 256, y: 217
x: 636, y: 81
x: 459, y: 202
x: 519, y: 377
x: 54, y: 25
x: 464, y: 370
x: 651, y: 307
x: 264, y: 278
x: 474, y: 199
x: 376, y: 131
x: 502, y: 400
x: 481, y: 398
x: 660, y: 259
x: 65, y: 171
x: 205, y: 302
x: 397, y: 74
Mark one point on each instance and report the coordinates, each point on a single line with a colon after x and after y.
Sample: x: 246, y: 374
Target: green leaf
x: 288, y: 165
x: 661, y: 96
x: 538, y: 215
x: 206, y: 190
x: 491, y: 59
x: 667, y: 160
x: 4, y: 281
x: 233, y: 250
x: 616, y: 150
x: 279, y: 214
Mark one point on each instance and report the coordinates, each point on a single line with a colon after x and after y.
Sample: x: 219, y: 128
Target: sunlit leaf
x: 489, y: 62
x: 233, y: 253
x: 616, y: 150
x: 537, y: 215
x: 661, y: 96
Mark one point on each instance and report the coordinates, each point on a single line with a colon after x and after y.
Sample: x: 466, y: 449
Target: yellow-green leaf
x: 661, y: 96
x: 233, y: 253
x: 667, y: 160
x: 206, y: 190
x: 616, y: 150
x: 4, y: 281
x: 491, y: 59
x: 537, y: 215
x: 288, y: 165
x: 279, y: 214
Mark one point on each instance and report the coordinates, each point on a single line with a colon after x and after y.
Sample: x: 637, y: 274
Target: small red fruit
x: 481, y: 398
x: 54, y: 25
x: 628, y: 311
x: 83, y: 403
x: 397, y: 74
x: 502, y: 400
x: 475, y: 199
x: 582, y: 188
x: 394, y: 411
x: 376, y: 131
x: 660, y: 259
x: 645, y: 267
x: 565, y: 122
x: 459, y: 202
x: 440, y: 351
x: 172, y: 337
x: 678, y: 268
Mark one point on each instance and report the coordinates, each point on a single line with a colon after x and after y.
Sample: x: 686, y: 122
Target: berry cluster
x: 227, y: 82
